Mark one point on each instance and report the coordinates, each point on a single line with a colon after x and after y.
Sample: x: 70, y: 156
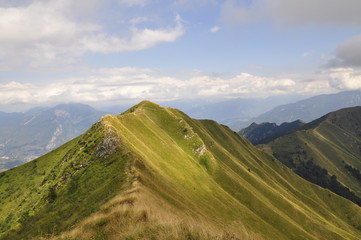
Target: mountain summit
x: 155, y: 173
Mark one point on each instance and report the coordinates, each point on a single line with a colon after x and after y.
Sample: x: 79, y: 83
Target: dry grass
x: 140, y: 214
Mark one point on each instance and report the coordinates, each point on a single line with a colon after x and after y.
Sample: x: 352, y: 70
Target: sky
x: 108, y: 52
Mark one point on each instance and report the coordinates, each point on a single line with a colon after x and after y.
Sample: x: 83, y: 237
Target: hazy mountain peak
x: 74, y: 108
x: 311, y: 108
x: 38, y: 131
x: 61, y: 113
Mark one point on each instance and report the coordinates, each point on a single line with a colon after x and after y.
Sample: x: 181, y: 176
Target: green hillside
x: 333, y: 143
x: 154, y: 173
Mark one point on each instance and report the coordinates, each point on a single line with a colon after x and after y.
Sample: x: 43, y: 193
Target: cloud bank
x: 344, y: 78
x: 116, y: 85
x: 43, y: 32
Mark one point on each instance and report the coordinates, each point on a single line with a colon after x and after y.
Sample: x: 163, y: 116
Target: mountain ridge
x: 127, y: 171
x: 311, y: 108
x: 265, y: 132
x: 332, y: 142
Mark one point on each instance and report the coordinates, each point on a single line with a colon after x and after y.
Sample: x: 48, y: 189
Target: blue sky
x: 119, y: 51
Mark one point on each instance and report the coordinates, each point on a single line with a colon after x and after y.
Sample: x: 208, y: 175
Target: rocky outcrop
x: 110, y: 143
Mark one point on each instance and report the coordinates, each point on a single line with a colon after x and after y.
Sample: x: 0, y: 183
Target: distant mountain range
x: 326, y: 151
x: 232, y: 110
x: 155, y: 173
x: 311, y: 108
x: 265, y: 132
x: 25, y: 136
x: 240, y: 113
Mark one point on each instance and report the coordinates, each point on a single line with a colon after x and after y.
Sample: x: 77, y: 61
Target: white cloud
x: 291, y: 13
x: 44, y: 32
x: 214, y: 29
x: 307, y: 54
x: 344, y: 78
x: 115, y: 85
x: 139, y: 39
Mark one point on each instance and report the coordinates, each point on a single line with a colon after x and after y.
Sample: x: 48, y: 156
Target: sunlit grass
x: 171, y: 177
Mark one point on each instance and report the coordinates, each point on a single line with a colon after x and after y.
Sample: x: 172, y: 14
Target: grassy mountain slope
x: 154, y: 173
x: 331, y: 142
